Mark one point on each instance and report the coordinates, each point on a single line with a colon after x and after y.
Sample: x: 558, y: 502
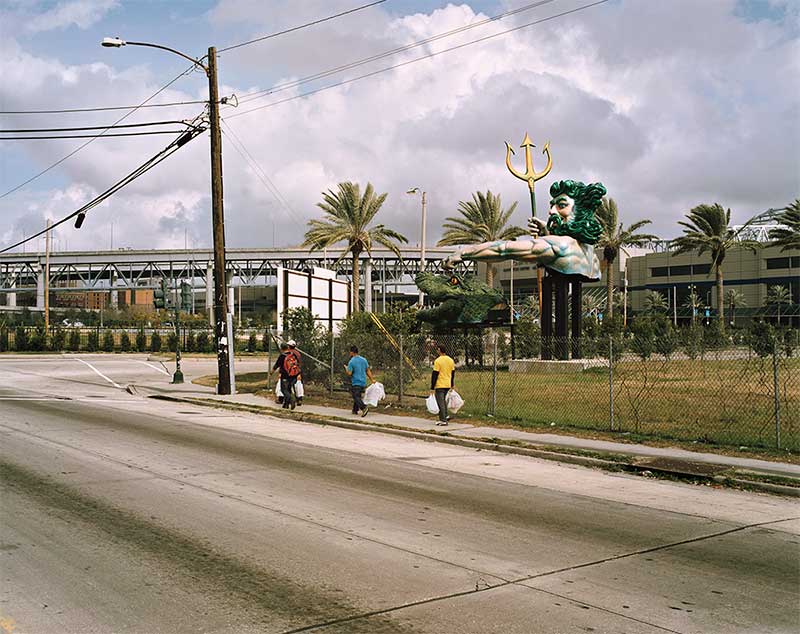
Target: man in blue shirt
x: 358, y: 370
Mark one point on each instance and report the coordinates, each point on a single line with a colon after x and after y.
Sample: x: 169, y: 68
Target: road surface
x: 128, y: 515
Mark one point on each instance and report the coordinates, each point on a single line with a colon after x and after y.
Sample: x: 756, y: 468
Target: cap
x: 292, y: 342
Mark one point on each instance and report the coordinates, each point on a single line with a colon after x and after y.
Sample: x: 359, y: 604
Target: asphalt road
x: 124, y: 514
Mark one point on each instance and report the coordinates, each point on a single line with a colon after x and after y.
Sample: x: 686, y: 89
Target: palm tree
x: 693, y: 303
x: 482, y: 220
x: 777, y: 296
x: 708, y: 229
x: 655, y: 302
x: 347, y: 218
x: 734, y: 298
x: 788, y: 236
x: 615, y: 238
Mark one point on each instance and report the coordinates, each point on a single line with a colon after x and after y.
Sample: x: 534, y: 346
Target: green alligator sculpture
x: 459, y: 300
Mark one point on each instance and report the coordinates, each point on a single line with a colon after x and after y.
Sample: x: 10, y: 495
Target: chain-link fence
x: 690, y: 389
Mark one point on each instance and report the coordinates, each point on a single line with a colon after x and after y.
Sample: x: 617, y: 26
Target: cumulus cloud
x: 80, y: 13
x: 667, y: 111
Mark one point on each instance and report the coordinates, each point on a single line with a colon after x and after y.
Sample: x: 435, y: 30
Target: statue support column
x: 210, y: 292
x: 577, y: 315
x: 546, y: 317
x: 562, y: 312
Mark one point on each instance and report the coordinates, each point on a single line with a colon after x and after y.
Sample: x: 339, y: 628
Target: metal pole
x: 177, y: 378
x: 512, y: 292
x: 776, y: 390
x: 223, y: 338
x: 332, y: 360
x: 47, y: 279
x: 422, y: 248
x: 611, y: 382
x: 400, y: 385
x: 494, y: 373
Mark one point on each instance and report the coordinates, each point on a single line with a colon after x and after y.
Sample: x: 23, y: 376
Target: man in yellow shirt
x: 442, y: 381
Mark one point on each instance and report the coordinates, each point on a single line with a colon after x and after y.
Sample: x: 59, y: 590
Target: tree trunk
x: 356, y: 282
x: 489, y: 274
x: 610, y: 288
x: 720, y: 298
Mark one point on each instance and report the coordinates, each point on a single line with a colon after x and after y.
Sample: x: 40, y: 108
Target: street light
x: 224, y: 338
x: 413, y: 191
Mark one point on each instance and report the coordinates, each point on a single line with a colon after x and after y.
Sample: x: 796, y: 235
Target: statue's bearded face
x: 563, y: 206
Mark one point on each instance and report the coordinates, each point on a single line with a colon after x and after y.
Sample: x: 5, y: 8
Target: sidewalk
x: 643, y: 457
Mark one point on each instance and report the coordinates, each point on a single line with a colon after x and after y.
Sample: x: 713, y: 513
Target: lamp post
x: 220, y: 309
x: 412, y: 191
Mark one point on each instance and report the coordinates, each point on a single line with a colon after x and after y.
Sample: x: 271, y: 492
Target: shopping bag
x: 299, y: 390
x: 454, y: 401
x: 373, y: 394
x: 431, y: 404
x: 278, y: 392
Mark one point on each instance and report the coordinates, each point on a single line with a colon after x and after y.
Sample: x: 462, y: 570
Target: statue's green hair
x: 583, y: 226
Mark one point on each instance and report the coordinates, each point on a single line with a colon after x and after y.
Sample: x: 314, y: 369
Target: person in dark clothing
x: 293, y: 350
x: 288, y: 379
x: 442, y: 381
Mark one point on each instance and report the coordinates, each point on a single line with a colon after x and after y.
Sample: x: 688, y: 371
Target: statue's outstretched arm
x: 538, y: 250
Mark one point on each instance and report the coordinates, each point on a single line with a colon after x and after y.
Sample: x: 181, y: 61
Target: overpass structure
x: 112, y: 271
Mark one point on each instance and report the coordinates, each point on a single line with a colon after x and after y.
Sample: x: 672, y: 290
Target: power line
x: 93, y: 127
x: 85, y: 136
x: 165, y: 153
x: 301, y: 26
x: 270, y: 186
x: 417, y: 59
x: 247, y: 97
x: 83, y: 145
x: 103, y: 108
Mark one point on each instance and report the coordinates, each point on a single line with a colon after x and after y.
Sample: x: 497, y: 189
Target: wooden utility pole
x: 224, y: 339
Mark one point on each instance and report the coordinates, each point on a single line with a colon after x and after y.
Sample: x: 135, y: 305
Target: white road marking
x: 162, y: 370
x: 94, y: 369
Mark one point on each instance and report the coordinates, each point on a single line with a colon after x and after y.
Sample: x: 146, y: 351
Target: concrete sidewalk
x: 666, y: 459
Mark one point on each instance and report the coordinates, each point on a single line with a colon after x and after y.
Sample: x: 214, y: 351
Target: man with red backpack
x: 293, y: 350
x: 288, y: 365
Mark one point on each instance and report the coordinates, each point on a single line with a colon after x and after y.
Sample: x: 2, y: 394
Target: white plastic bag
x: 278, y: 392
x: 454, y: 401
x: 299, y: 390
x: 431, y: 404
x: 373, y: 394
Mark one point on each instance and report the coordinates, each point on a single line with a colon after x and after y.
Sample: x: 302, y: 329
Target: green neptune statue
x: 564, y: 244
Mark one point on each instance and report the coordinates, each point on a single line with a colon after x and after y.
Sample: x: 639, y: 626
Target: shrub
x: 93, y: 342
x: 692, y: 341
x: 3, y: 339
x: 20, y: 339
x: 172, y: 342
x: 141, y: 341
x: 108, y: 341
x: 155, y: 342
x: 38, y: 340
x: 763, y: 338
x: 203, y: 342
x: 191, y: 343
x: 74, y: 340
x: 58, y: 340
x: 125, y: 342
x: 714, y: 336
x: 252, y: 342
x: 643, y: 342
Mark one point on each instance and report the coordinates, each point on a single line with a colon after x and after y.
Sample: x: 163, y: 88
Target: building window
x: 701, y: 269
x: 795, y: 261
x: 778, y: 263
x: 659, y: 271
x: 686, y: 269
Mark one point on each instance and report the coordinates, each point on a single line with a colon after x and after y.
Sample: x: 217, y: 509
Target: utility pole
x: 47, y: 279
x: 224, y: 343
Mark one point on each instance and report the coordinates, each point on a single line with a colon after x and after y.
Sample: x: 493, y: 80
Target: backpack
x: 291, y: 365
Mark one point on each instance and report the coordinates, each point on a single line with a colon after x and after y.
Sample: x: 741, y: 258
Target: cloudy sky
x: 670, y: 103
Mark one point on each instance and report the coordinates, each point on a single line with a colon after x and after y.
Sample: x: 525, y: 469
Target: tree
x: 777, y: 296
x: 708, y: 229
x: 655, y: 303
x: 788, y: 236
x: 693, y: 303
x: 734, y: 298
x: 347, y: 218
x: 482, y: 220
x: 615, y: 238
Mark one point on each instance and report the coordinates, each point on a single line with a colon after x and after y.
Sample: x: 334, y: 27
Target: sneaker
x: 365, y: 411
x: 442, y: 423
x: 292, y: 404
x: 447, y: 418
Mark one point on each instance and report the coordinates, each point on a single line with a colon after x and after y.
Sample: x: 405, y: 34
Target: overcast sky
x: 670, y: 103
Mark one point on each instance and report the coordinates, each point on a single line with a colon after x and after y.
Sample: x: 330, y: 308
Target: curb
x: 446, y: 438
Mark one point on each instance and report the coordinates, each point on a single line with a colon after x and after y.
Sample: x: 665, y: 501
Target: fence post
x: 494, y: 373
x: 776, y: 390
x: 332, y: 359
x: 400, y: 382
x: 611, y: 382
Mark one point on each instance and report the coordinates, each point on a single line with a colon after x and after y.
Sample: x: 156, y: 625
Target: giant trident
x: 531, y: 176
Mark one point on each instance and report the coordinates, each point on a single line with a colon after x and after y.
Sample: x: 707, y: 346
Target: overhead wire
x: 85, y: 136
x: 301, y: 26
x: 186, y: 136
x: 93, y: 127
x: 258, y: 94
x: 83, y: 145
x: 417, y: 59
x: 103, y: 108
x: 260, y: 173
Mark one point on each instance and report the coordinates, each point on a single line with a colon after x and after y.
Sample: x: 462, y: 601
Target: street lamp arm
x: 197, y: 62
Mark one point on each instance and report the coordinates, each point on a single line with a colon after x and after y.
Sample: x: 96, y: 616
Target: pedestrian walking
x: 442, y: 381
x: 293, y: 350
x: 358, y: 370
x: 288, y: 369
